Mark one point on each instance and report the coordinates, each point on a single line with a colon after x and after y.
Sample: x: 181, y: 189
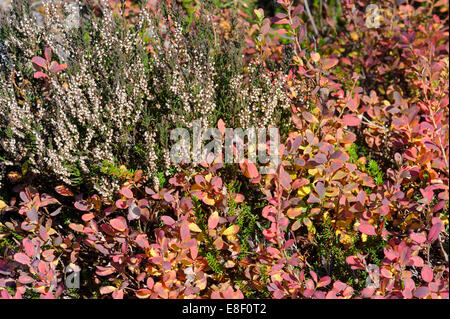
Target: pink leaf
x: 142, y: 241
x: 107, y: 290
x: 213, y: 220
x: 167, y: 220
x: 422, y: 292
x: 38, y: 75
x: 76, y: 227
x: 124, y: 191
x: 427, y: 274
x: 57, y: 67
x: 435, y: 230
x: 39, y: 61
x: 249, y: 169
x: 119, y: 223
x: 122, y: 204
x: 351, y: 120
x: 81, y: 205
x: 43, y: 233
x: 28, y: 246
x: 329, y: 63
x: 361, y: 197
x: 48, y: 53
x: 221, y: 126
x: 418, y: 238
x: 314, y: 276
x: 324, y: 281
x: 367, y: 229
x: 194, y: 251
x: 320, y: 189
x: 185, y: 233
x: 22, y: 258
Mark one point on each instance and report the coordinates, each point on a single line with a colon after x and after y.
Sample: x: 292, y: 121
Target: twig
x: 311, y: 18
x: 442, y: 249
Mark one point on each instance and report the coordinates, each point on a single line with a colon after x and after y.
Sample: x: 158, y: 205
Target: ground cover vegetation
x: 357, y: 207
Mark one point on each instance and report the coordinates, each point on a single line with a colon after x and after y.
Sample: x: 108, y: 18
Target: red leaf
x: 185, y: 233
x: 107, y: 290
x: 249, y: 169
x: 238, y: 198
x: 213, y: 220
x: 57, y: 67
x: 119, y: 223
x: 81, y: 205
x: 76, y: 227
x: 121, y: 203
x: 194, y: 251
x: 38, y: 75
x: 421, y: 292
x: 43, y: 233
x: 324, y: 281
x: 367, y: 229
x: 143, y: 293
x: 105, y: 271
x: 142, y: 241
x: 435, y: 230
x: 320, y: 189
x: 28, y: 246
x: 138, y: 175
x: 87, y: 217
x: 427, y: 274
x: 48, y: 53
x: 361, y: 197
x: 329, y: 63
x: 63, y: 190
x: 126, y: 192
x: 39, y: 61
x: 167, y: 220
x: 22, y: 258
x: 351, y: 120
x: 418, y: 238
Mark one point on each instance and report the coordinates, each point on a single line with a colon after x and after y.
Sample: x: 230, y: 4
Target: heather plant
x: 113, y: 90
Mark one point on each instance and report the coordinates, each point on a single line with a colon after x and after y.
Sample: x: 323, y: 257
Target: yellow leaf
x: 232, y: 230
x: 313, y: 171
x: 331, y: 192
x: 14, y: 176
x: 363, y: 238
x: 208, y: 200
x: 24, y: 168
x: 194, y: 227
x: 152, y: 252
x: 354, y: 36
x: 294, y: 212
x: 2, y: 205
x: 315, y: 56
x: 277, y: 277
x: 303, y: 191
